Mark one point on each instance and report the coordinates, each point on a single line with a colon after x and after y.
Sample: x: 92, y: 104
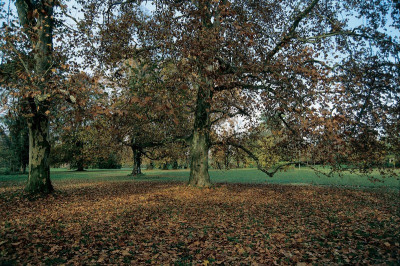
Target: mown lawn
x: 293, y: 176
x: 104, y: 217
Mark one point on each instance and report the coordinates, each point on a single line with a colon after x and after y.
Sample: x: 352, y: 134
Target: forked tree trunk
x: 137, y: 161
x: 200, y: 145
x: 39, y: 151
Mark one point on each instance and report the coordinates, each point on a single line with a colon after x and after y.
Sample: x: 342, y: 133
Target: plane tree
x: 326, y: 70
x: 76, y: 135
x: 145, y: 112
x: 145, y: 115
x: 36, y: 43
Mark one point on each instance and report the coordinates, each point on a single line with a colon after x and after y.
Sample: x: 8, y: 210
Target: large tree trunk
x: 79, y: 155
x: 39, y: 151
x: 80, y: 167
x: 40, y: 31
x: 137, y: 161
x: 200, y: 145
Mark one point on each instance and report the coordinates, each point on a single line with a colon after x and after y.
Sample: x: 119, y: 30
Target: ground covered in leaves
x: 170, y: 223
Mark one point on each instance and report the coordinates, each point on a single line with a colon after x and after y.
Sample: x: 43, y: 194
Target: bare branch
x: 256, y: 159
x: 314, y: 39
x: 323, y: 64
x: 26, y: 68
x: 148, y: 155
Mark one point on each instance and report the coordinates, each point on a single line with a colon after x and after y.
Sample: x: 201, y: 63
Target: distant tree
x: 146, y: 115
x: 76, y: 137
x: 110, y: 162
x: 15, y: 139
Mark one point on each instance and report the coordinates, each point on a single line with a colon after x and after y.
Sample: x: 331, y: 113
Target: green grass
x: 293, y: 176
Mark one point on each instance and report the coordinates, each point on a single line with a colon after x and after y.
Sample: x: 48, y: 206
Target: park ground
x: 105, y: 217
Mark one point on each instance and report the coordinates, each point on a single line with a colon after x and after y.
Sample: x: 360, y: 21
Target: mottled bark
x: 200, y: 144
x: 39, y: 29
x: 39, y: 151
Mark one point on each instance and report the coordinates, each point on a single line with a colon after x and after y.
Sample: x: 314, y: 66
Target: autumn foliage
x: 267, y: 83
x: 159, y: 222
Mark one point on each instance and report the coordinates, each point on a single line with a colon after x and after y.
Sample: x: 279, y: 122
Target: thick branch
x: 117, y: 3
x: 24, y: 7
x: 257, y: 160
x: 323, y: 64
x: 242, y: 85
x: 292, y: 31
x: 240, y: 111
x: 147, y: 154
x: 314, y: 39
x: 286, y: 124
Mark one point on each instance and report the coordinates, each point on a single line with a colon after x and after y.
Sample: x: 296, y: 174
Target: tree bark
x: 165, y: 166
x: 40, y: 31
x: 39, y: 151
x: 200, y: 145
x: 237, y: 158
x: 80, y: 167
x: 137, y: 161
x: 79, y: 155
x: 150, y: 166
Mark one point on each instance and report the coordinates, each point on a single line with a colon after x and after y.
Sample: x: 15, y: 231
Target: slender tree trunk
x: 23, y: 170
x: 137, y: 161
x: 39, y: 151
x: 165, y: 166
x: 227, y: 158
x: 150, y: 166
x: 200, y: 145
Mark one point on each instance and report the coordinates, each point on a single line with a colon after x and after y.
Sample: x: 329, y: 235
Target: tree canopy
x: 316, y: 77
